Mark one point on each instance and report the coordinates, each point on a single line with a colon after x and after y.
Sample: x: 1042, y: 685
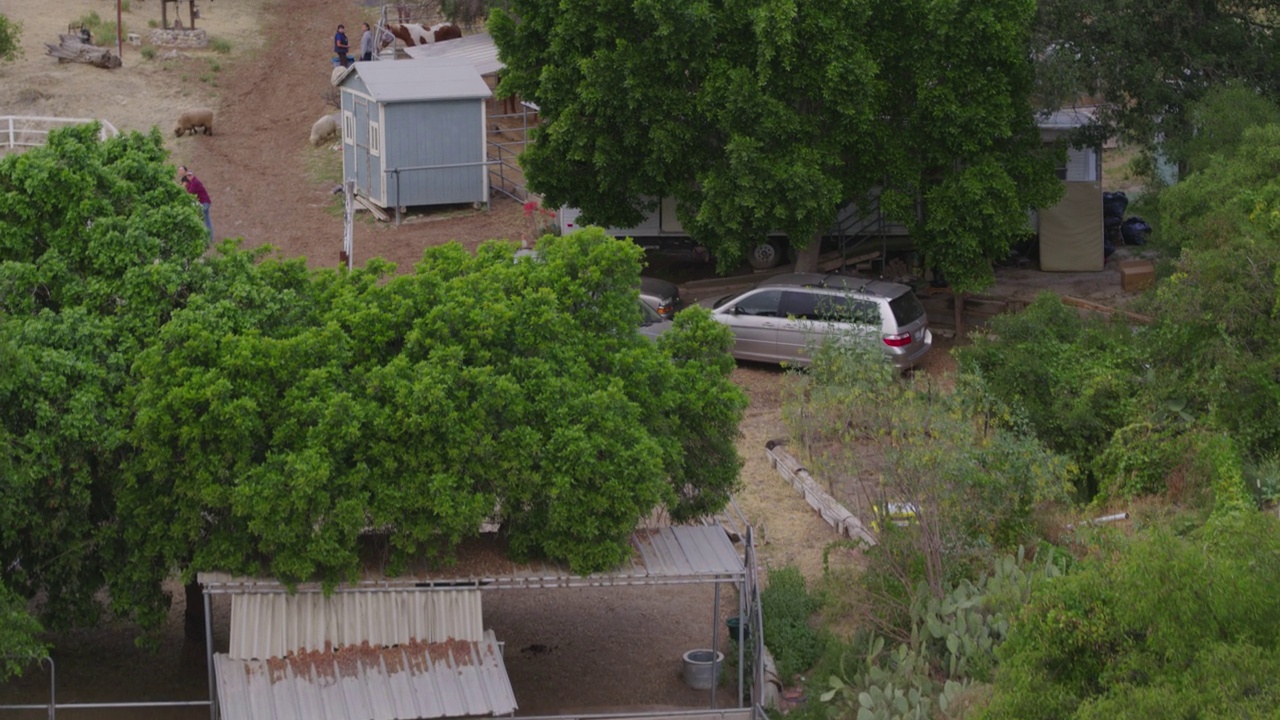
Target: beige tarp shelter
x: 1071, y: 232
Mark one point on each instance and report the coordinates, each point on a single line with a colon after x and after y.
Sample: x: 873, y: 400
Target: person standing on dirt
x: 195, y: 187
x: 366, y: 44
x: 341, y: 46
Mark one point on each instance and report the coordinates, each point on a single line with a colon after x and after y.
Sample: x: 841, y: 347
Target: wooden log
x: 70, y: 49
x: 377, y: 211
x: 1095, y: 307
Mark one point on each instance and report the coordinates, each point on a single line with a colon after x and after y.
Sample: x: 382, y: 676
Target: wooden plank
x: 377, y: 211
x: 1095, y: 307
x: 839, y: 262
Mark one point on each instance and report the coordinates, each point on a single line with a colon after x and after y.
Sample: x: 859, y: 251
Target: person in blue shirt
x: 341, y: 46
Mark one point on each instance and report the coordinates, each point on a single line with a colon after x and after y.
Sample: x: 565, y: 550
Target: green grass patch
x: 149, y: 52
x: 219, y: 45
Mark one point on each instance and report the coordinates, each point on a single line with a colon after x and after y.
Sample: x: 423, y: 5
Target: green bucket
x: 735, y: 629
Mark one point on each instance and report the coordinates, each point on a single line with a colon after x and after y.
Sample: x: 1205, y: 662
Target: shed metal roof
x: 675, y: 555
x: 418, y: 680
x: 405, y: 81
x: 1066, y: 118
x: 479, y: 50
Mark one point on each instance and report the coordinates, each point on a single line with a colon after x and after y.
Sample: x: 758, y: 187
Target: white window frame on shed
x: 375, y: 139
x: 1082, y: 165
x: 348, y: 127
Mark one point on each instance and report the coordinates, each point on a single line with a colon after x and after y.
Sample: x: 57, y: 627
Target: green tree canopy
x: 1148, y: 62
x: 96, y: 247
x: 769, y: 116
x: 280, y: 419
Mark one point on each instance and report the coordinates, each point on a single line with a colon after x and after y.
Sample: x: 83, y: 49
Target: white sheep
x: 193, y: 120
x: 325, y: 128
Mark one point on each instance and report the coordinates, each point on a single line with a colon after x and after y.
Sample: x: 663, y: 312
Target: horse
x: 414, y: 34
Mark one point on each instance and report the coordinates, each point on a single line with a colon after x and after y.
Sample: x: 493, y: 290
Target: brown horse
x: 414, y: 34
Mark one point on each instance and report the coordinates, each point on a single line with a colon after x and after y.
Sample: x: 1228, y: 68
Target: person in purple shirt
x: 195, y: 187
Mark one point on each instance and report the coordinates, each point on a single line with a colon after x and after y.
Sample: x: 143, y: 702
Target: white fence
x: 17, y: 131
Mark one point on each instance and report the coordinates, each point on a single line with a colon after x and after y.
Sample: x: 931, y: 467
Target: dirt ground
x: 565, y: 648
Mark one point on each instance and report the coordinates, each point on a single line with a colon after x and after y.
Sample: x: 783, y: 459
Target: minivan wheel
x: 766, y: 255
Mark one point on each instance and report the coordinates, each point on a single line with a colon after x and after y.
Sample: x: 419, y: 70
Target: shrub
x: 149, y: 52
x: 10, y: 39
x: 220, y: 45
x: 1160, y: 616
x: 787, y: 605
x: 1073, y: 380
x: 153, y: 23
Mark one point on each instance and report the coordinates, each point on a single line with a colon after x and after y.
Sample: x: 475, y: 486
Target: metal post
x: 397, y: 171
x: 53, y: 703
x: 348, y: 221
x: 208, y: 646
x: 744, y: 629
x: 119, y: 29
x: 715, y: 638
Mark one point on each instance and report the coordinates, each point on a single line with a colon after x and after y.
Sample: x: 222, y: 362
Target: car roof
x: 851, y: 283
x: 658, y: 287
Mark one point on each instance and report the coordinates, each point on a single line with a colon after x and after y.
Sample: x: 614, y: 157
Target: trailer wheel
x: 766, y: 255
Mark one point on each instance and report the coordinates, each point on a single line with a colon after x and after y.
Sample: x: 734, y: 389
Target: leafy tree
x: 769, y: 116
x: 973, y: 484
x: 1218, y: 319
x: 10, y: 40
x: 19, y: 635
x: 96, y: 246
x: 281, y: 417
x: 1163, y: 625
x: 1148, y: 62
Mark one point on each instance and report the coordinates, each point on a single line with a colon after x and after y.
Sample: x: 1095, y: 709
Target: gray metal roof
x: 406, y: 81
x: 479, y: 50
x: 418, y: 680
x: 660, y: 556
x: 1066, y: 118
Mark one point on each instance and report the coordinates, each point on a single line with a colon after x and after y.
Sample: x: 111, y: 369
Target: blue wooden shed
x: 413, y: 132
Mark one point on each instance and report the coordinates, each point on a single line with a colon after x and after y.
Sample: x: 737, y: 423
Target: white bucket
x: 701, y: 672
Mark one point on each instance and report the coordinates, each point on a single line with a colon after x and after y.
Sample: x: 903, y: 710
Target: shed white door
x: 362, y: 159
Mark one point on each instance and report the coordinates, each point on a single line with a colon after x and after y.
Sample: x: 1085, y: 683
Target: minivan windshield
x: 906, y: 308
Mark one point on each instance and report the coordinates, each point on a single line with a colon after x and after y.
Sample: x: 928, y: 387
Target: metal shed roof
x: 660, y: 556
x: 479, y: 50
x: 405, y: 81
x: 1066, y: 118
x: 418, y: 680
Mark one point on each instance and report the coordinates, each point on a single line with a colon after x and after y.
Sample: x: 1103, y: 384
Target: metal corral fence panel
x: 22, y: 131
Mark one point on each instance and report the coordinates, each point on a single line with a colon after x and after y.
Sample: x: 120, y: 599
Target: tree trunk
x: 807, y: 256
x: 70, y: 49
x: 193, y: 625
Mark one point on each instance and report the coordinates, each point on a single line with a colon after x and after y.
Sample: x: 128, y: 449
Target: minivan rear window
x: 906, y: 308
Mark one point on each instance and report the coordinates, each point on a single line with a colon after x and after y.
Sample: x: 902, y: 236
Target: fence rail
x: 23, y: 131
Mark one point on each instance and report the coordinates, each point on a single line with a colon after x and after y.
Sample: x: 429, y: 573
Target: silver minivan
x: 782, y: 319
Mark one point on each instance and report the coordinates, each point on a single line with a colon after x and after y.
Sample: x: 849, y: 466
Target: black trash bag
x: 1111, y: 229
x: 1114, y: 204
x: 1135, y: 231
x: 1108, y: 248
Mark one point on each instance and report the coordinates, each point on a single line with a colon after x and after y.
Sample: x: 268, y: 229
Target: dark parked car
x: 662, y: 296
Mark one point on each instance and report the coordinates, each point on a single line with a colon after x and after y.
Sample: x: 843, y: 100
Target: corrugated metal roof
x: 661, y: 556
x: 479, y: 50
x: 418, y: 680
x: 404, y: 81
x: 1066, y: 118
